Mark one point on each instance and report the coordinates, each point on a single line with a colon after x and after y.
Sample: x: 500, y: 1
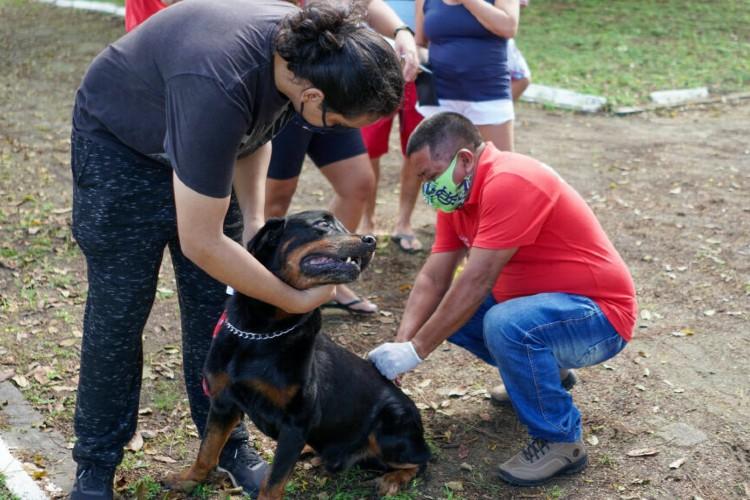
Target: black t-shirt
x: 192, y: 87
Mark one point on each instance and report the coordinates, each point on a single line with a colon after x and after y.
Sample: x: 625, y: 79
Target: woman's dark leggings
x: 123, y: 218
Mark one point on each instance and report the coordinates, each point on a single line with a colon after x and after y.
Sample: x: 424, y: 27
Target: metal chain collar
x: 262, y: 336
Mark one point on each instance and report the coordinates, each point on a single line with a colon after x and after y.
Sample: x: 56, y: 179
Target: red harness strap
x: 217, y: 329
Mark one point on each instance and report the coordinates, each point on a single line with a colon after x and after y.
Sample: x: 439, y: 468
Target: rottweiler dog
x: 298, y: 386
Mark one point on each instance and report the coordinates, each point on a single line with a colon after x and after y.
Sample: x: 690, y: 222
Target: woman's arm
x: 419, y: 23
x: 500, y: 18
x: 200, y: 221
x: 250, y: 187
x: 383, y: 20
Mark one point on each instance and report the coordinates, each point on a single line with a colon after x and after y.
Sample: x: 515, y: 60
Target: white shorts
x: 479, y: 112
x: 517, y: 66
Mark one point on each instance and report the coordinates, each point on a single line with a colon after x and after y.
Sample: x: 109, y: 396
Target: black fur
x: 333, y: 400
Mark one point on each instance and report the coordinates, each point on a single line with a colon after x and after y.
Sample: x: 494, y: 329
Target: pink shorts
x: 376, y: 135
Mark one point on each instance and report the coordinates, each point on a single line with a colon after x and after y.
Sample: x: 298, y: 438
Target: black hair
x: 444, y: 133
x: 355, y: 68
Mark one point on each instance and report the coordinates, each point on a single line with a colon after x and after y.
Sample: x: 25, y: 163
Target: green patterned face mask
x: 444, y: 194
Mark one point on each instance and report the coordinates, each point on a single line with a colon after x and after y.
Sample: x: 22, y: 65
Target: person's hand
x: 406, y: 48
x: 394, y: 358
x: 306, y: 300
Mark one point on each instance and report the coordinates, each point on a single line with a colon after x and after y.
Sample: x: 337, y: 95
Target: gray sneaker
x: 498, y: 394
x: 541, y: 460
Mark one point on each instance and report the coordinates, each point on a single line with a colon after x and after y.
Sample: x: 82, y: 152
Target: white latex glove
x: 394, y: 358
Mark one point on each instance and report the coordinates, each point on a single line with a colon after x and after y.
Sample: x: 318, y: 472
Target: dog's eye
x: 322, y: 224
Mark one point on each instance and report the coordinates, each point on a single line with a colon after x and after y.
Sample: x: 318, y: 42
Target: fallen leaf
x: 592, y: 440
x: 677, y: 463
x: 640, y: 387
x: 709, y: 312
x: 456, y: 392
x: 455, y: 485
x: 20, y: 381
x: 68, y: 342
x: 646, y: 315
x: 136, y: 442
x: 463, y: 451
x: 643, y: 452
x: 64, y: 388
x: 165, y: 459
x: 145, y: 411
x: 466, y: 467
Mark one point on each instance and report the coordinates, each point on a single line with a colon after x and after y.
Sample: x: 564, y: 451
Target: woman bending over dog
x: 167, y: 119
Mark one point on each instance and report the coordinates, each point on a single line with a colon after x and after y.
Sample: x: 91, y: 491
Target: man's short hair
x: 444, y: 133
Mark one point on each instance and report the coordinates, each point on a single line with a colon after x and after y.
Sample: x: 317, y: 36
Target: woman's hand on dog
x: 302, y: 301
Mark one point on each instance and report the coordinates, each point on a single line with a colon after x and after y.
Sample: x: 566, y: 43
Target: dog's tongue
x: 320, y: 260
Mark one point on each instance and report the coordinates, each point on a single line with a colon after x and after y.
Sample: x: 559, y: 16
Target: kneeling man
x: 543, y: 288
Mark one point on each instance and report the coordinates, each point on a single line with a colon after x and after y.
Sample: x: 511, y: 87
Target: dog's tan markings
x: 278, y: 396
x: 208, y: 455
x: 275, y: 492
x: 216, y: 382
x: 391, y: 482
x: 291, y: 272
x: 372, y: 446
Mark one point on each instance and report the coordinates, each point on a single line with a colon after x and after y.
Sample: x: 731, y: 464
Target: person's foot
x: 407, y: 242
x: 93, y: 482
x: 542, y: 460
x: 348, y: 300
x: 243, y: 465
x: 498, y: 394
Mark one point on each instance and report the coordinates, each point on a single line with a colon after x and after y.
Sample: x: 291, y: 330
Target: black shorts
x: 290, y: 146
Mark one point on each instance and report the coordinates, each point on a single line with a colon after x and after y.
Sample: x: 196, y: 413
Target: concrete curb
x: 107, y: 8
x: 16, y: 480
x: 23, y: 434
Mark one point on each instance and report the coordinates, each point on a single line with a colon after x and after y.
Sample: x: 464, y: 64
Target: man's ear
x: 465, y: 162
x: 263, y: 244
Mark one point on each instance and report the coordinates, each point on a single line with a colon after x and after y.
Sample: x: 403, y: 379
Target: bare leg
x: 518, y: 87
x: 353, y: 181
x: 407, y: 199
x: 367, y: 226
x: 279, y: 196
x: 500, y: 135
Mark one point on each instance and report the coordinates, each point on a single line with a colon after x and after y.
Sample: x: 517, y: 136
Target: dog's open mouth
x: 318, y: 264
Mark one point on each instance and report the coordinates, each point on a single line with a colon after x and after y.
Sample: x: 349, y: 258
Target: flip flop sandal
x: 410, y: 238
x: 348, y: 307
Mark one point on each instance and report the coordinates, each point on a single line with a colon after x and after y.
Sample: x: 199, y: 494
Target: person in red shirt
x: 542, y: 289
x: 137, y: 11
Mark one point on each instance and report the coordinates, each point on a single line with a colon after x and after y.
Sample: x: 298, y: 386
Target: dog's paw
x: 387, y: 486
x: 180, y: 482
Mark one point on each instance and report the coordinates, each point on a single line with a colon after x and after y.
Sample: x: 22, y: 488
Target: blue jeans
x: 530, y: 339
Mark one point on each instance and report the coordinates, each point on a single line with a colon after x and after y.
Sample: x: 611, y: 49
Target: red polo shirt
x: 137, y: 11
x: 516, y: 201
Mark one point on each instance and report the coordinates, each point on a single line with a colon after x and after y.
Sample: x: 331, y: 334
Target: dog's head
x: 311, y: 248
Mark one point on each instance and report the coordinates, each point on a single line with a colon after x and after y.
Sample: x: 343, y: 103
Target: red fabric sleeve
x: 446, y: 239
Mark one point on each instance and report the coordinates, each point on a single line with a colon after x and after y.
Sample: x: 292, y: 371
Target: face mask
x: 444, y: 194
x: 300, y: 121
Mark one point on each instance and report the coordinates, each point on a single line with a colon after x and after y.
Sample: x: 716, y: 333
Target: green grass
x: 625, y: 50
x: 5, y: 493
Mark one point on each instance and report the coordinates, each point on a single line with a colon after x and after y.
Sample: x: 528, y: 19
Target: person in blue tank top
x: 467, y: 41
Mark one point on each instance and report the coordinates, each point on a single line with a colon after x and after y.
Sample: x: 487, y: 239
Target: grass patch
x: 5, y: 493
x: 625, y: 50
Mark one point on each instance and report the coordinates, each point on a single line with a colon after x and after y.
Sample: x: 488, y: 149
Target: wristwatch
x: 403, y: 27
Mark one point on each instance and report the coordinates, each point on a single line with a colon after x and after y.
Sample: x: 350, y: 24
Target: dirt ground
x: 670, y: 189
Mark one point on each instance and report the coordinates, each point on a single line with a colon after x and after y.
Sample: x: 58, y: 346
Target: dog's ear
x: 263, y: 244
